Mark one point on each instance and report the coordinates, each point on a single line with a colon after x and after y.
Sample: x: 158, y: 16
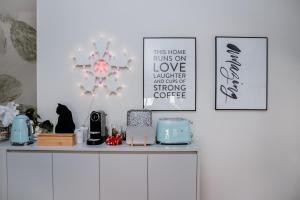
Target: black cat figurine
x: 65, y: 122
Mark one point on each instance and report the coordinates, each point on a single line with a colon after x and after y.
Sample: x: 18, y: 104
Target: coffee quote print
x: 169, y: 73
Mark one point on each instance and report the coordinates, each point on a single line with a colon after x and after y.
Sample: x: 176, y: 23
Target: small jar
x: 79, y: 136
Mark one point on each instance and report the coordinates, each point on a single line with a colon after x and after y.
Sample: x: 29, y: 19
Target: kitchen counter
x: 103, y: 148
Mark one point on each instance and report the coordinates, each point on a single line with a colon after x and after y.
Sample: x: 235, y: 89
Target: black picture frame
x: 266, y: 80
x: 195, y: 75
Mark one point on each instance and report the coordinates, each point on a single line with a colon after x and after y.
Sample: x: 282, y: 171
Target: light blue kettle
x: 21, y: 131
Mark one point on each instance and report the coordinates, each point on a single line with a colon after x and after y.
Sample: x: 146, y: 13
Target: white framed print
x: 169, y: 73
x: 241, y: 70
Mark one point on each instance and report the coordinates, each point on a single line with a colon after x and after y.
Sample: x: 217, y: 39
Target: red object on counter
x: 114, y: 140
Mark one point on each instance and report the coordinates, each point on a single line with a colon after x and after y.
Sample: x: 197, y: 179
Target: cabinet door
x: 3, y: 178
x: 29, y: 176
x: 123, y: 176
x: 172, y: 176
x: 76, y: 176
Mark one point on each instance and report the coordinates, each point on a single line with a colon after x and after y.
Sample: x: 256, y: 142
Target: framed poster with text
x: 169, y: 73
x: 241, y: 73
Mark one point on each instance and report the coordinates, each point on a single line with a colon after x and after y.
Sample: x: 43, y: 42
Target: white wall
x: 246, y: 155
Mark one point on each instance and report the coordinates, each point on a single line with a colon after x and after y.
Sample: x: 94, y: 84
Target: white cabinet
x: 154, y: 172
x: 172, y: 176
x: 123, y: 176
x: 29, y: 176
x: 3, y: 179
x: 1, y: 176
x: 76, y: 176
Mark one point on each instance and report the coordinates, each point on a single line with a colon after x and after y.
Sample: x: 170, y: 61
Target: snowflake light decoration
x: 101, y: 68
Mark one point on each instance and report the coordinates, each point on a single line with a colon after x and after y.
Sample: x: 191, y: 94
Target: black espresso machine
x: 97, y: 133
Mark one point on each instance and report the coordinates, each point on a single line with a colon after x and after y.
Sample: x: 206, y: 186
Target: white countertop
x: 105, y: 148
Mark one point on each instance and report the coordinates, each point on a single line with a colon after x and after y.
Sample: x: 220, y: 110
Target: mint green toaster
x: 174, y: 131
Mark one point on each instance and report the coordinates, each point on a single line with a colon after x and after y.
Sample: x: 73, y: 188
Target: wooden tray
x: 61, y: 139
